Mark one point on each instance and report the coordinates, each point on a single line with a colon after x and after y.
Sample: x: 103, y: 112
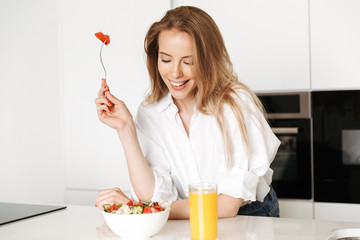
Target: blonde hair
x: 216, y: 83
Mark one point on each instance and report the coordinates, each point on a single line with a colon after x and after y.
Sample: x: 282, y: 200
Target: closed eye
x: 188, y: 63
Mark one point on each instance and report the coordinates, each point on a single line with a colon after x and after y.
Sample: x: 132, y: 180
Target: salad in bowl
x: 124, y: 219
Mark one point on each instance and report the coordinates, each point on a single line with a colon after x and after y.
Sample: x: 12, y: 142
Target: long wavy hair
x: 216, y: 82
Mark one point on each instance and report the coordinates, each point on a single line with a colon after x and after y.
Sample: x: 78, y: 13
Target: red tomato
x: 103, y: 37
x: 147, y: 210
x: 107, y: 38
x: 113, y: 207
x: 130, y: 203
x: 159, y: 208
x: 140, y: 204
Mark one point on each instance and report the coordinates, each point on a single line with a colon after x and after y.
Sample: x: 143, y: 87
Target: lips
x: 178, y: 84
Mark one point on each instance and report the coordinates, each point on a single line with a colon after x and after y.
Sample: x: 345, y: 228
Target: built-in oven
x: 336, y: 126
x: 289, y: 116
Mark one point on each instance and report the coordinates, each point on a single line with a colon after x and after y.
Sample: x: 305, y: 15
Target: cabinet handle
x: 292, y: 130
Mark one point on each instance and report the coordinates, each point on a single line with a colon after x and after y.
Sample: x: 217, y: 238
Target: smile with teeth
x: 178, y: 84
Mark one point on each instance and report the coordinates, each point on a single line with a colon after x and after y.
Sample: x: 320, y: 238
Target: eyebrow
x: 171, y: 56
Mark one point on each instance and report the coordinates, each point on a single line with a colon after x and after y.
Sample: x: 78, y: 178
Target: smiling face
x: 175, y: 63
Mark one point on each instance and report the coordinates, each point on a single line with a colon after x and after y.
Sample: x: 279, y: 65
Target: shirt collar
x: 166, y: 102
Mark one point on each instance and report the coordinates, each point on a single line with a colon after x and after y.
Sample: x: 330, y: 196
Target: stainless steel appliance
x: 289, y: 116
x: 336, y: 124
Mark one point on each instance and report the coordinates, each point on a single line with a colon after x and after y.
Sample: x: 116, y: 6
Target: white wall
x: 93, y: 154
x: 31, y: 167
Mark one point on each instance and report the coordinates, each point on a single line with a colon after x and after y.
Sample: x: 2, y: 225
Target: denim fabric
x: 268, y: 208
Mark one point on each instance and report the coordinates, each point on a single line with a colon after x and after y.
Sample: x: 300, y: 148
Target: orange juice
x: 203, y: 214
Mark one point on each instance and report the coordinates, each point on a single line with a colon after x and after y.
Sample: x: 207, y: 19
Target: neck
x: 185, y: 105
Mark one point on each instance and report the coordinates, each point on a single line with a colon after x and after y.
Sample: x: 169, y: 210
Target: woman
x: 197, y: 124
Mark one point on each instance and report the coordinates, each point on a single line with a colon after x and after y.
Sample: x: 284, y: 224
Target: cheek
x: 161, y: 69
x: 189, y: 72
x: 162, y: 74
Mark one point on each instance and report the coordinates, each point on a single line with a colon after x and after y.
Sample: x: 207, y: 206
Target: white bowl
x: 352, y: 233
x: 136, y: 225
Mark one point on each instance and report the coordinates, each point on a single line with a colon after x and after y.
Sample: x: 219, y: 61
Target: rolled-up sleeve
x: 153, y: 153
x: 242, y: 180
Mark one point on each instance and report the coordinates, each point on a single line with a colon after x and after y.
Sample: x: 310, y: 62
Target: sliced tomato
x: 104, y: 38
x: 113, y: 207
x: 159, y: 208
x: 140, y: 204
x: 100, y: 36
x: 130, y: 203
x: 107, y: 38
x: 147, y: 210
x: 155, y: 210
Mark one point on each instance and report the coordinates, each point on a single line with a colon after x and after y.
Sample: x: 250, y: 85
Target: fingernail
x: 109, y: 110
x: 110, y: 103
x: 95, y: 205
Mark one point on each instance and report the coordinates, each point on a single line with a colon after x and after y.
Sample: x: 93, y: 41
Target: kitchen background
x: 53, y: 149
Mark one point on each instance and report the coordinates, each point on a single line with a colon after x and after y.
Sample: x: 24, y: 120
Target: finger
x: 110, y: 192
x: 103, y: 194
x: 99, y: 101
x: 112, y: 98
x: 111, y: 198
x: 101, y: 108
x: 105, y: 191
x: 104, y: 87
x: 102, y: 90
x: 103, y: 111
x: 103, y: 82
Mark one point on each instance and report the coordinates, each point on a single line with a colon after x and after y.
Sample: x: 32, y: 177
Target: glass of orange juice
x: 203, y: 211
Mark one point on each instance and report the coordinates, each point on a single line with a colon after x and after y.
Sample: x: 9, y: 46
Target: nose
x: 176, y: 71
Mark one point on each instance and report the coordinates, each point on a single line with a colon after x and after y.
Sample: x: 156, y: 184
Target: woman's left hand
x: 111, y: 196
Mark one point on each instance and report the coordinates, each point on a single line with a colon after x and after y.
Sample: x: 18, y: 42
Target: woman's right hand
x: 112, y: 111
x: 111, y: 196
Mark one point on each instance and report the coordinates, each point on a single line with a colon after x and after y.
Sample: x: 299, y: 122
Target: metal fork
x: 102, y: 60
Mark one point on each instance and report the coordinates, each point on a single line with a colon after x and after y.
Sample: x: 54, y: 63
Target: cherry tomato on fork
x: 103, y: 37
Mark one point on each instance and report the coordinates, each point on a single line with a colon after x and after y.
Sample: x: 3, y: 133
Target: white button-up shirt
x: 178, y: 159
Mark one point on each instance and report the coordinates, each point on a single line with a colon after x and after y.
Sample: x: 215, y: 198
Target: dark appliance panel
x: 336, y: 119
x: 289, y: 116
x: 292, y: 163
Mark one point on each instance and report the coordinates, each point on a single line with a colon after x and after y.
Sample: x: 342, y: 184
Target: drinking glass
x: 203, y: 211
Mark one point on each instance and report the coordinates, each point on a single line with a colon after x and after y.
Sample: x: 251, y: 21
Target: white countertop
x: 81, y: 222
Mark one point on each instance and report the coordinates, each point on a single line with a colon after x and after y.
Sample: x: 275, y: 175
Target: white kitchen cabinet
x: 335, y: 48
x: 92, y: 151
x: 268, y: 41
x: 341, y: 212
x: 296, y: 208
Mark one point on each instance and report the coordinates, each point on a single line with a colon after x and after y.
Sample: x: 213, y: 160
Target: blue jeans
x: 268, y: 208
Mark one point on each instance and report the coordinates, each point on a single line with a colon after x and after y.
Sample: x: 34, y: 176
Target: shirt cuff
x: 164, y: 189
x: 239, y: 183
